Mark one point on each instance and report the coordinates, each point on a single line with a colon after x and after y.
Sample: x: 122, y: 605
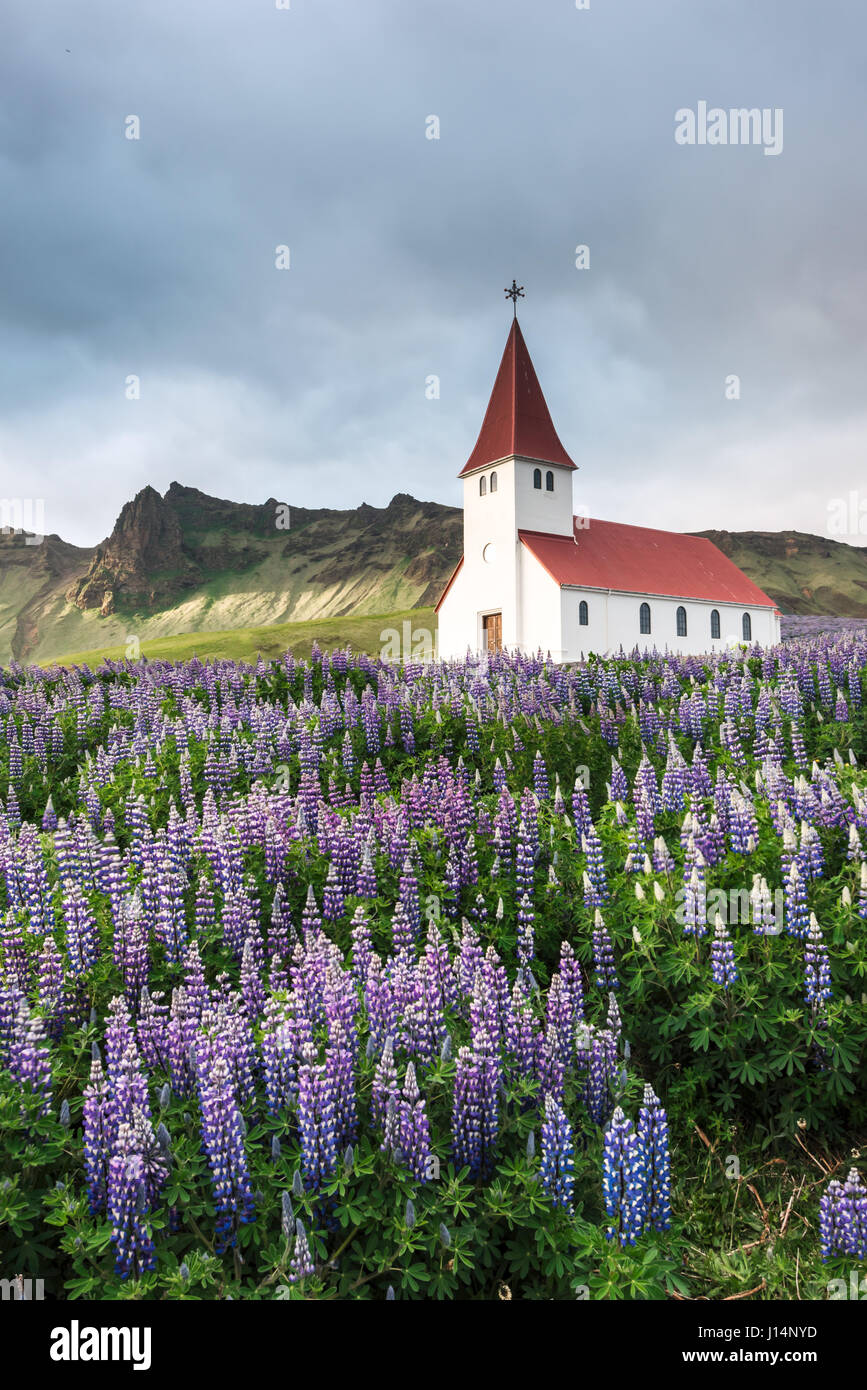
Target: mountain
x: 805, y: 574
x: 186, y: 563
x: 33, y: 579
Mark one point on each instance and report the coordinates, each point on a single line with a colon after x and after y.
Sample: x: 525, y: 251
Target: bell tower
x: 517, y: 478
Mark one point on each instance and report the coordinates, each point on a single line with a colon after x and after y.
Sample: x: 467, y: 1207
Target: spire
x: 517, y: 419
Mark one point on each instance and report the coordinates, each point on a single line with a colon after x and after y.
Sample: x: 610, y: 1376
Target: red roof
x: 517, y: 419
x: 639, y: 560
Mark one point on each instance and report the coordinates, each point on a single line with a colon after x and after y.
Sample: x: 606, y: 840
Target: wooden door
x: 492, y: 626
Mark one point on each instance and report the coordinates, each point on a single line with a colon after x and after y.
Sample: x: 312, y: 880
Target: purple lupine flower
x: 136, y: 959
x: 252, y: 988
x: 223, y: 1140
x: 96, y: 1122
x: 16, y: 962
x: 281, y: 1039
x: 603, y: 955
x: 333, y: 897
x: 653, y: 1136
x: 551, y: 1066
x: 694, y: 894
x: 413, y: 1128
x: 855, y: 1216
x: 402, y: 935
x: 339, y: 1072
x: 127, y: 1207
x: 522, y: 1033
x: 151, y: 1028
x: 592, y: 847
x: 843, y: 1218
x: 817, y: 967
x: 524, y: 862
x: 796, y: 913
x: 409, y: 897
x: 82, y: 933
x: 362, y: 949
x: 466, y: 1120
x: 541, y: 784
x: 722, y: 951
x: 526, y: 943
x: 557, y: 1173
x: 830, y: 1219
x: 380, y: 1004
x: 602, y: 1065
x: 316, y: 1120
x: 30, y: 1059
x: 560, y: 1017
x: 51, y: 987
x: 624, y: 1180
x: 475, y: 1114
x: 619, y: 784
x: 385, y: 1087
x: 301, y: 1265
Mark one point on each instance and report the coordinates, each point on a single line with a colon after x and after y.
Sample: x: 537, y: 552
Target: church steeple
x: 517, y: 420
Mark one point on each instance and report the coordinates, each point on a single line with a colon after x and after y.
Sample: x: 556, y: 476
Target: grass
x: 361, y: 632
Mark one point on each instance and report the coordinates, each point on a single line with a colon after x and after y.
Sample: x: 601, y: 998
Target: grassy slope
x: 362, y: 633
x: 803, y: 573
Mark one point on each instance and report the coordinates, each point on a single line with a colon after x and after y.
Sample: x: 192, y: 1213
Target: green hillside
x: 803, y: 574
x: 363, y: 634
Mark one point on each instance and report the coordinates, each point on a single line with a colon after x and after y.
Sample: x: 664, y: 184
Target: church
x: 535, y: 577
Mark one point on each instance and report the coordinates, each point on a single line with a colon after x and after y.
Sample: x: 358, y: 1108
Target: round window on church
x: 489, y: 554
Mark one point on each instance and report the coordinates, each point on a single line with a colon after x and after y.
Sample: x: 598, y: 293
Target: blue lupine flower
x: 722, y: 952
x: 557, y: 1173
x: 624, y: 1180
x: 817, y: 967
x: 653, y: 1136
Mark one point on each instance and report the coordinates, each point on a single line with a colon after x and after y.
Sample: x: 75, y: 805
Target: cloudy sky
x: 307, y: 127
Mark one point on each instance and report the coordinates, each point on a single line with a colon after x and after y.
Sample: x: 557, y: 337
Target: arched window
x: 493, y: 482
x: 583, y: 616
x: 537, y: 477
x: 483, y: 485
x: 644, y: 618
x: 681, y: 622
x: 549, y: 481
x: 714, y: 622
x: 747, y: 627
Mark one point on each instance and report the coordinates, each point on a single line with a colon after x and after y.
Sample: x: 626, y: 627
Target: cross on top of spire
x: 515, y: 293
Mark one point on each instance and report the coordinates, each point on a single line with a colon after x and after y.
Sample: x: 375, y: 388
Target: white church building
x: 534, y: 576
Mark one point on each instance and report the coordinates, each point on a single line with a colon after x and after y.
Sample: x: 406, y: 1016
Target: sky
x: 148, y: 333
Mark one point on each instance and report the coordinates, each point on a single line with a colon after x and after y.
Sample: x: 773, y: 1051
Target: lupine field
x: 348, y: 980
